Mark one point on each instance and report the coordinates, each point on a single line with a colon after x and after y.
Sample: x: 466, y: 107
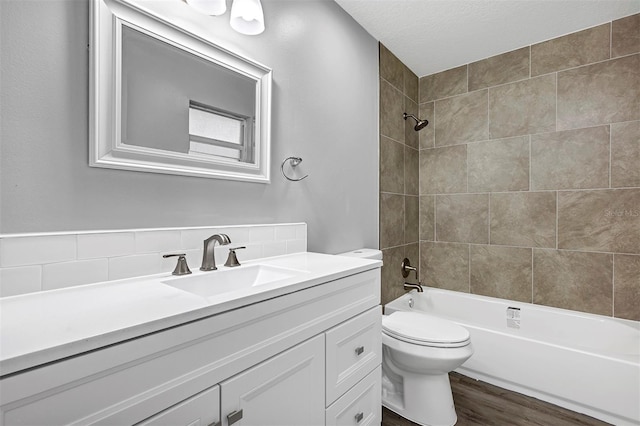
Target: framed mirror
x: 163, y: 100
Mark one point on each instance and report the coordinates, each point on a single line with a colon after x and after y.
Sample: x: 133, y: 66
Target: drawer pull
x: 234, y: 417
x: 359, y: 350
x: 359, y: 417
x: 218, y: 423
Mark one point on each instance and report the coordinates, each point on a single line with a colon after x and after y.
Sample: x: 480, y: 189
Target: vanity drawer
x: 360, y: 406
x: 353, y: 349
x: 199, y: 410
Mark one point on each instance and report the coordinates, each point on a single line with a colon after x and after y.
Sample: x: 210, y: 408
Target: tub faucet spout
x: 208, y: 255
x: 411, y: 286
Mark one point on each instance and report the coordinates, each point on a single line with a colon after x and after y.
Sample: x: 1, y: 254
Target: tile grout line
x: 419, y: 226
x: 466, y: 152
x: 557, y: 213
x: 469, y: 266
x: 535, y: 248
x: 434, y: 126
x: 532, y: 275
x: 610, y: 158
x: 467, y: 69
x: 489, y: 220
x: 610, y: 40
x: 613, y: 285
x: 435, y: 217
x: 556, y: 124
x: 530, y: 170
x: 488, y: 113
x: 404, y: 218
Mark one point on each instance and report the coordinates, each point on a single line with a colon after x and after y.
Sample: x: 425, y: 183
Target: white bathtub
x: 586, y: 363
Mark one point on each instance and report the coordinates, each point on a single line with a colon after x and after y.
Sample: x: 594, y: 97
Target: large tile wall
x: 399, y: 144
x: 529, y: 173
x: 38, y: 262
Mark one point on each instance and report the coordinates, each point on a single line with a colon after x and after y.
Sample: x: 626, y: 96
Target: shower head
x: 420, y: 124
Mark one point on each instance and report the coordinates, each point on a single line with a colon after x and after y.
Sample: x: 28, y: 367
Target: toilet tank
x: 364, y: 253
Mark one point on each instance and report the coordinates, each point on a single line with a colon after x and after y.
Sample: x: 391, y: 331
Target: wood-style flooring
x: 479, y: 403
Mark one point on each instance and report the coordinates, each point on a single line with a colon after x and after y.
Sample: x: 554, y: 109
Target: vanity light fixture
x: 247, y: 16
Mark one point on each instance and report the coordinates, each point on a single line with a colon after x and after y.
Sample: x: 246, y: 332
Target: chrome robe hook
x: 293, y: 161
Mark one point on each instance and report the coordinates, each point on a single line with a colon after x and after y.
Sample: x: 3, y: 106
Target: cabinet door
x: 286, y: 390
x: 360, y: 406
x: 202, y: 409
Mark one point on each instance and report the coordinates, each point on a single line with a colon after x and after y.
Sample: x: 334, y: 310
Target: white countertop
x: 42, y: 327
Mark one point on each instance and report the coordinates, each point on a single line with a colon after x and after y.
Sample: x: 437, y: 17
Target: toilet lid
x: 423, y: 329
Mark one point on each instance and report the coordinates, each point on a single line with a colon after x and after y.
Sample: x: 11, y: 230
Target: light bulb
x: 247, y: 17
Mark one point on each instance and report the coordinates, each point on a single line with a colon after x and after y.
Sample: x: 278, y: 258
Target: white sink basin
x: 214, y: 283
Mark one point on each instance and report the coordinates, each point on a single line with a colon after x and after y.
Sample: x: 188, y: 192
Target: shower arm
x: 420, y: 124
x: 405, y: 116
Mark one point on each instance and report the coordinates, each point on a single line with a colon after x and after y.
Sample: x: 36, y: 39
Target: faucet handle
x: 181, y: 268
x: 232, y: 260
x: 406, y: 267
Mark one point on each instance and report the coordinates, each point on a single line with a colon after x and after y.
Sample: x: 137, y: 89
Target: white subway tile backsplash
x: 301, y: 231
x: 30, y: 263
x: 277, y: 248
x: 31, y: 250
x: 21, y: 280
x: 133, y: 266
x: 156, y: 241
x: 262, y: 233
x: 296, y: 246
x: 252, y: 251
x: 286, y: 232
x: 106, y: 245
x: 67, y: 274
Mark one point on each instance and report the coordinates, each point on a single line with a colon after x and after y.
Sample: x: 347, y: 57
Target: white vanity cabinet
x: 310, y: 357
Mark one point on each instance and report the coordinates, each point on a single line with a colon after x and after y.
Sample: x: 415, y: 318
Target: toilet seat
x: 424, y: 330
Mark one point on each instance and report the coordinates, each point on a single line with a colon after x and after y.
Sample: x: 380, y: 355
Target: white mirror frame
x: 105, y: 136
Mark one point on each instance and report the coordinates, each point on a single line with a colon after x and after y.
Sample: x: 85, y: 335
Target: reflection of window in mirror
x: 224, y: 135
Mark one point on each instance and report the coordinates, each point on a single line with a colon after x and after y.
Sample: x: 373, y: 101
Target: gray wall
x: 325, y: 110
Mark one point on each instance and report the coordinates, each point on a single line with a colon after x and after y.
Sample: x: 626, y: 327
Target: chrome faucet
x: 208, y: 255
x: 406, y: 268
x: 410, y: 286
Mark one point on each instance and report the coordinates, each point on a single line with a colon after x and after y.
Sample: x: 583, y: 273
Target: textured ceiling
x: 434, y: 35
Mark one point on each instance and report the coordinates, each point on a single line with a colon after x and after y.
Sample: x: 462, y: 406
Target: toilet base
x: 421, y: 398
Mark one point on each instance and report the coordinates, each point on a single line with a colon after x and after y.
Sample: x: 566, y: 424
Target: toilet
x: 418, y: 352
